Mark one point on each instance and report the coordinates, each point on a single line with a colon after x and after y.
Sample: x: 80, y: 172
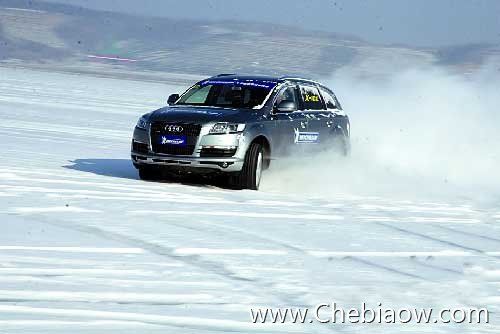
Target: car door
x: 286, y: 124
x: 314, y: 110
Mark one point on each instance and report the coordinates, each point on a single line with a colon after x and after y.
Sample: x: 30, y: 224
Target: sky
x: 410, y: 22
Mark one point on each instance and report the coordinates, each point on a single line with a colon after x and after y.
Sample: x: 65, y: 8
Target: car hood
x: 202, y: 115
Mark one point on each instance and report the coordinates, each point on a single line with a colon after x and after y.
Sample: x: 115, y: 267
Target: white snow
x: 100, y: 297
x: 76, y: 249
x: 28, y: 210
x: 175, y: 321
x: 86, y: 247
x: 207, y: 251
x: 229, y: 213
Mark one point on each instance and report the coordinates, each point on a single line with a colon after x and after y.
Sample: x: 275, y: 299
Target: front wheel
x: 251, y: 173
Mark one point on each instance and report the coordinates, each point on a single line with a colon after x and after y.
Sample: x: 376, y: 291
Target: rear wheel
x: 341, y: 144
x: 251, y: 173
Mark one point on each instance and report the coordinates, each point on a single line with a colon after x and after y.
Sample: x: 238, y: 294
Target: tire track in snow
x: 448, y: 270
x: 387, y: 268
x: 307, y: 253
x: 302, y: 253
x: 428, y: 237
x: 217, y: 268
x: 288, y: 246
x: 469, y: 234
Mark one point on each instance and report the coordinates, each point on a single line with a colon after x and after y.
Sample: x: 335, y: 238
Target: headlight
x: 222, y: 128
x: 142, y: 123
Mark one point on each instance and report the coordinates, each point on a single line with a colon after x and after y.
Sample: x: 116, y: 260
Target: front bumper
x: 142, y: 153
x: 217, y: 164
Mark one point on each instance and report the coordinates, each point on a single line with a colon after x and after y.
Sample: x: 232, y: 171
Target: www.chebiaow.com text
x: 333, y: 314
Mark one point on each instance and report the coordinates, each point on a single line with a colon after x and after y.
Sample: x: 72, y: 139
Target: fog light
x: 219, y: 147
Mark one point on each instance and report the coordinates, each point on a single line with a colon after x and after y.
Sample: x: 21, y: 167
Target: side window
x: 289, y: 94
x: 330, y: 101
x: 310, y: 98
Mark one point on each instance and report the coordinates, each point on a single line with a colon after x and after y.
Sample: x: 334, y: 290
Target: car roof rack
x: 299, y: 79
x: 224, y: 75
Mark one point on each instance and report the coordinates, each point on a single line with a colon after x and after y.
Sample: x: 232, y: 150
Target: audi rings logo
x: 174, y: 128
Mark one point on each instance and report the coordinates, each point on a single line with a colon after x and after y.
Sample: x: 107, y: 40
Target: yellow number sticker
x: 311, y: 98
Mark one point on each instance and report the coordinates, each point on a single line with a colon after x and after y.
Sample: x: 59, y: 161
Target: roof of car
x: 232, y: 76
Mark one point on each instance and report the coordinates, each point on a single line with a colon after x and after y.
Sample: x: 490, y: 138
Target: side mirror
x: 172, y: 99
x: 286, y: 107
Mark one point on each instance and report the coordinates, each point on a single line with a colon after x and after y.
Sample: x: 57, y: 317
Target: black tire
x: 149, y: 173
x: 251, y: 174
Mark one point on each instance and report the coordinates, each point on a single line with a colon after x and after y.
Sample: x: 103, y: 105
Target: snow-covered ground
x: 86, y: 247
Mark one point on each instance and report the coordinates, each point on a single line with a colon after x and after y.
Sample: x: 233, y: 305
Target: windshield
x: 228, y: 93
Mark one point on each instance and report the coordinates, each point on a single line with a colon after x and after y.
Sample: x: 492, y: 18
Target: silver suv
x: 236, y: 125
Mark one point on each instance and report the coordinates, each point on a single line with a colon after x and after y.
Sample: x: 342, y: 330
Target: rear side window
x: 330, y: 101
x: 310, y: 98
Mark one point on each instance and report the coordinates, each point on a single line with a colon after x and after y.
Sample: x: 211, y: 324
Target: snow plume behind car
x: 418, y: 131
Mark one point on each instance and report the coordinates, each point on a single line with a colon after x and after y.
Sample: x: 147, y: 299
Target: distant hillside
x: 47, y: 33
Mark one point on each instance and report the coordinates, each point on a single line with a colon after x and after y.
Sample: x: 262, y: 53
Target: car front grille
x: 186, y: 150
x: 190, y: 131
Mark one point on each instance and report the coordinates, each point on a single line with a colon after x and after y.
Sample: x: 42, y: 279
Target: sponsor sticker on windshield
x: 267, y: 84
